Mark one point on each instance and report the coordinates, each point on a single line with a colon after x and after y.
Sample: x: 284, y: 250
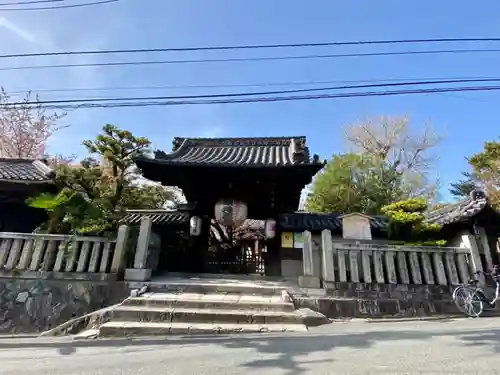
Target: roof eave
x: 28, y: 182
x: 458, y: 212
x: 166, y: 162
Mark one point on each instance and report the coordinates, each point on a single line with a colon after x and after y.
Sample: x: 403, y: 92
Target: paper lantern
x: 270, y: 228
x: 231, y: 212
x: 195, y: 226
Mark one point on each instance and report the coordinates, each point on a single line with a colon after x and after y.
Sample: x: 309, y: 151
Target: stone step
x: 212, y: 301
x: 121, y: 329
x: 190, y: 315
x: 204, y: 287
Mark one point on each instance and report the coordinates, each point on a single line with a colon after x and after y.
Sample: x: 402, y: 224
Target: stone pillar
x: 469, y: 241
x: 118, y: 262
x: 328, y: 273
x: 308, y: 280
x: 483, y: 237
x: 140, y: 272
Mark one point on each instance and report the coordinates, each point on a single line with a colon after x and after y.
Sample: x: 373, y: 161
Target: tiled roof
x: 158, y: 216
x: 25, y: 171
x: 460, y: 211
x: 161, y: 216
x: 301, y: 221
x: 261, y: 152
x: 290, y: 222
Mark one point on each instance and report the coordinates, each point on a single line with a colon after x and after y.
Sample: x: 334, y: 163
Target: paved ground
x: 463, y: 346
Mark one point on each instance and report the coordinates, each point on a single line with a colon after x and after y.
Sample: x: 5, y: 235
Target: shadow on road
x: 490, y: 338
x: 288, y: 350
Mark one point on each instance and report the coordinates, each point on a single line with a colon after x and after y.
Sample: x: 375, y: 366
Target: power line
x: 257, y: 84
x: 271, y: 98
x: 249, y: 46
x: 246, y: 59
x: 244, y: 94
x: 30, y: 2
x: 59, y: 6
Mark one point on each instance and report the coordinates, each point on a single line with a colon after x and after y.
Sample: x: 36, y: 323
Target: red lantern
x: 231, y: 212
x: 270, y: 228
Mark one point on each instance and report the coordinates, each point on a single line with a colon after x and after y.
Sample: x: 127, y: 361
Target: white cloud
x: 100, y: 28
x: 44, y: 32
x: 18, y: 31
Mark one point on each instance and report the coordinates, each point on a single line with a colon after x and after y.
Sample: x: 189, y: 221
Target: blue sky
x: 466, y: 119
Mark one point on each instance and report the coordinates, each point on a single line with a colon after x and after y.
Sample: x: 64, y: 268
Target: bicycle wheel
x: 461, y: 295
x: 476, y: 304
x: 468, y: 300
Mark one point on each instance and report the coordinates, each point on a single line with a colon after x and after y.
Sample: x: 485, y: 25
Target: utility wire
x: 257, y: 84
x: 270, y: 98
x: 245, y: 94
x: 30, y: 2
x: 59, y: 6
x: 244, y: 59
x: 250, y: 46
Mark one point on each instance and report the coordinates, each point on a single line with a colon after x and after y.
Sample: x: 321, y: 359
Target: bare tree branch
x: 392, y: 140
x: 56, y: 160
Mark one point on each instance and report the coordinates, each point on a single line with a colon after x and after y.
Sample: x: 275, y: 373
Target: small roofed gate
x: 265, y: 175
x: 170, y: 228
x: 242, y: 250
x: 21, y: 179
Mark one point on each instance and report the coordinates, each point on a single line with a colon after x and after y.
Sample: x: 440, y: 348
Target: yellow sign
x: 287, y: 240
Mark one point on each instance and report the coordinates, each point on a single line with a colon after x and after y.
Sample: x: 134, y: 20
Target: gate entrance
x: 266, y: 175
x: 221, y: 250
x: 247, y: 258
x: 237, y: 251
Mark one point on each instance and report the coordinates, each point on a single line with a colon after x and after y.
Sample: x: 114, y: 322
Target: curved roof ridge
x: 180, y: 142
x: 459, y: 211
x: 243, y: 151
x: 18, y: 160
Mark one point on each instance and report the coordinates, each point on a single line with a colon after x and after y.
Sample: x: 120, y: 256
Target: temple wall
x: 463, y: 239
x: 459, y: 240
x: 372, y: 300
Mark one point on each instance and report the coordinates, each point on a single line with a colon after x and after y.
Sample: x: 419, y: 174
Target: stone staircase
x: 208, y: 307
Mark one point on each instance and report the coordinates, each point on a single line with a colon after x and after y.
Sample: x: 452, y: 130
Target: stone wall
x: 36, y: 305
x: 360, y: 300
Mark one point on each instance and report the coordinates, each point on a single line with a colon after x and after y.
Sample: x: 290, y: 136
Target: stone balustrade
x: 356, y: 262
x: 60, y: 256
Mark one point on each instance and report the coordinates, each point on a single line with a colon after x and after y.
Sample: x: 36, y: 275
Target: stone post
x: 308, y: 280
x: 469, y: 241
x: 140, y: 272
x: 118, y: 262
x: 328, y: 273
x: 483, y: 237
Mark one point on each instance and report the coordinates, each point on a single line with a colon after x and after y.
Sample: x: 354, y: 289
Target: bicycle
x: 470, y: 298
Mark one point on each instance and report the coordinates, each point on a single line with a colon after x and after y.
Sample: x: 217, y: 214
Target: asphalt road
x: 463, y: 346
